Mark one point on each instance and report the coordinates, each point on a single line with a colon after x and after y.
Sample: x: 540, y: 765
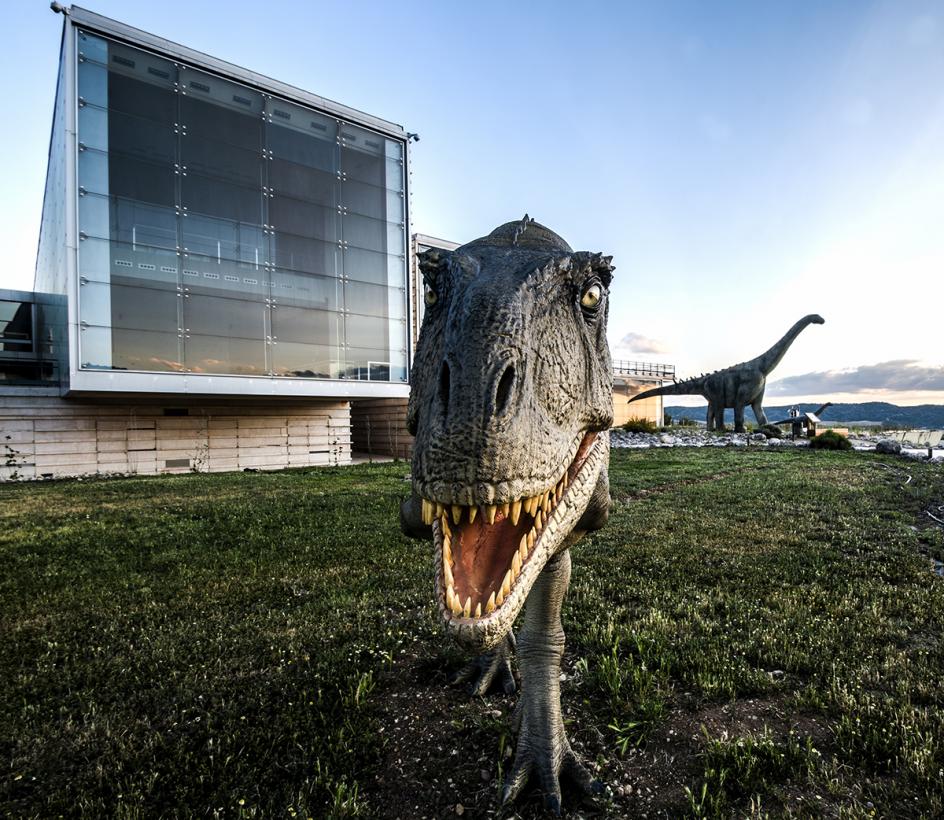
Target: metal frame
x: 145, y: 382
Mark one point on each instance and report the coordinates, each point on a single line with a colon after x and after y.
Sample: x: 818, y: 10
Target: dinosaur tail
x: 686, y: 388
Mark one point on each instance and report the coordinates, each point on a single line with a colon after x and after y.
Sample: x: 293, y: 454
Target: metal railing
x: 623, y: 367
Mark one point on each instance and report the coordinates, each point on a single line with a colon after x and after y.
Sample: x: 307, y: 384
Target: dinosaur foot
x: 547, y: 770
x: 490, y: 671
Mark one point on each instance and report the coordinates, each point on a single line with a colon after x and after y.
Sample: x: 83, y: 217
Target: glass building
x: 218, y: 232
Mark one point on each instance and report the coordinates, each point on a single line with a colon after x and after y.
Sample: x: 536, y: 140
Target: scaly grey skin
x: 510, y: 405
x: 737, y: 386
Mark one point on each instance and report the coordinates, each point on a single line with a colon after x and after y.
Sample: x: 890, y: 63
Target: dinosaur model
x: 736, y: 386
x: 511, y: 400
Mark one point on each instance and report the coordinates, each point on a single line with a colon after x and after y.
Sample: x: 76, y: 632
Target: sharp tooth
x: 467, y: 609
x: 504, y: 509
x: 515, y: 564
x: 447, y: 574
x: 532, y: 537
x: 447, y: 550
x: 538, y: 521
x: 490, y: 606
x: 478, y: 610
x: 515, y: 511
x: 427, y: 518
x: 445, y: 525
x: 546, y: 501
x: 500, y: 598
x: 535, y: 503
x: 456, y: 514
x: 523, y: 548
x: 473, y: 511
x: 506, y: 583
x: 489, y: 513
x: 440, y: 509
x: 456, y: 609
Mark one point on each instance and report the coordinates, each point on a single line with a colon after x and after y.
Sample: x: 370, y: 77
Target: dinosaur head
x: 511, y: 391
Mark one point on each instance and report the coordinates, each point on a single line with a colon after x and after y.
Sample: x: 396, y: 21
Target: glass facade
x: 225, y: 231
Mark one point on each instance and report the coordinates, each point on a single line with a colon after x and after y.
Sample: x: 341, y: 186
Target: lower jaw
x: 481, y: 633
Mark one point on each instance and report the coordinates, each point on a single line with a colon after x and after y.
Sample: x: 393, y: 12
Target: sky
x: 744, y: 163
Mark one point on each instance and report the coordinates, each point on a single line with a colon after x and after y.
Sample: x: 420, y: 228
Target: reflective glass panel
x: 375, y: 300
x: 299, y: 289
x: 307, y: 361
x: 226, y: 231
x: 225, y: 354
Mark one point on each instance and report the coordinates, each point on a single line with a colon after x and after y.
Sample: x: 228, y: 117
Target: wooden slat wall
x: 44, y: 435
x: 378, y: 427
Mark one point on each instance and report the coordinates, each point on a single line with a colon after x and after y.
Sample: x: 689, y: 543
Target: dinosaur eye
x: 591, y: 296
x: 429, y: 295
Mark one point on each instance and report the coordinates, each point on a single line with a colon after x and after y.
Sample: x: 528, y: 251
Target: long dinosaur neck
x: 769, y: 360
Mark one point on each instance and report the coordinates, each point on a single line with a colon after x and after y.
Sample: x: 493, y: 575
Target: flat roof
x: 112, y: 28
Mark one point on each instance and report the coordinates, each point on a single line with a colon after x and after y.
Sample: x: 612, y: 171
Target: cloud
x: 897, y: 375
x: 637, y: 343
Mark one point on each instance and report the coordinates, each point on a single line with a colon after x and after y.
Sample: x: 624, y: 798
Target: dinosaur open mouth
x: 483, y: 550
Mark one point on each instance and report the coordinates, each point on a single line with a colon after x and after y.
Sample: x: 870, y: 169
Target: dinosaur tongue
x: 482, y: 556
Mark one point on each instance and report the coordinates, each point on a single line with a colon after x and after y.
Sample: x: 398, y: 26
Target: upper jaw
x: 490, y: 491
x: 480, y: 624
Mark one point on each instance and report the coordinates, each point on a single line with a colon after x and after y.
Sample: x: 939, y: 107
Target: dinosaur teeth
x: 540, y: 507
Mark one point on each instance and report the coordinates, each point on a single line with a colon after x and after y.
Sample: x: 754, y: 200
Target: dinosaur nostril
x: 444, y: 377
x: 503, y: 393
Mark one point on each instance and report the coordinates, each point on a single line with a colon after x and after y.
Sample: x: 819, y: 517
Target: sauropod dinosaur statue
x: 511, y: 400
x: 736, y: 386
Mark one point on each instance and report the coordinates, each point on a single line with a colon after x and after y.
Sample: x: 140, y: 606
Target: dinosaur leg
x: 491, y: 670
x: 543, y: 749
x: 738, y: 418
x: 758, y: 407
x: 710, y: 420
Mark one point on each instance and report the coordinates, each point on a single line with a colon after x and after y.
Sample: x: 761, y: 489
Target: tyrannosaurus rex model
x: 510, y: 402
x: 736, y: 386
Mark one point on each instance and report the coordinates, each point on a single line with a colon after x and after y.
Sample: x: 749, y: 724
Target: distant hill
x: 923, y: 415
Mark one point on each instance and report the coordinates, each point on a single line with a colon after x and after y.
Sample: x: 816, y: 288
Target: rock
x: 460, y: 809
x: 758, y: 437
x: 888, y: 447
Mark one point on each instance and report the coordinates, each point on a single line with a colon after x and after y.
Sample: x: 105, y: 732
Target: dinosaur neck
x: 769, y: 360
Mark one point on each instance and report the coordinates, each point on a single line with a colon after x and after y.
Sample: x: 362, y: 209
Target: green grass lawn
x: 755, y: 632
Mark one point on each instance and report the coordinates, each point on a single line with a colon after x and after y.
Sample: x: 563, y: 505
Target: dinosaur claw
x: 491, y: 670
x: 552, y: 803
x: 515, y: 780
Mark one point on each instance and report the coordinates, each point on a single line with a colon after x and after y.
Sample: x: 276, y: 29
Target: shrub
x: 830, y: 441
x: 635, y: 425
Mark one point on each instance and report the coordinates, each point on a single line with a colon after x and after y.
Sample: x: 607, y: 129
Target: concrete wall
x: 378, y: 427
x: 650, y: 409
x: 42, y: 434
